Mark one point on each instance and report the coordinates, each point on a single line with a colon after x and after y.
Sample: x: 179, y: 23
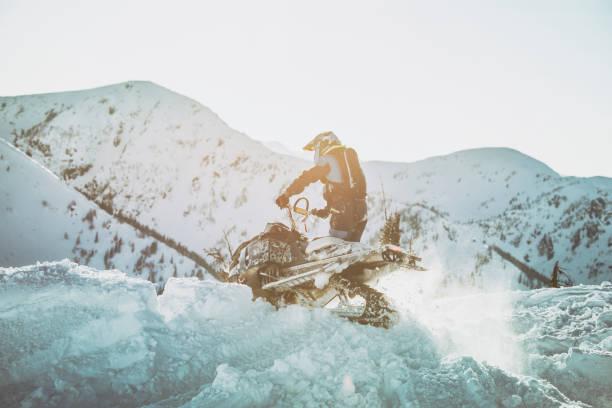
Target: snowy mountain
x: 278, y: 147
x: 155, y: 156
x: 73, y: 336
x: 164, y: 161
x: 50, y: 220
x: 460, y: 206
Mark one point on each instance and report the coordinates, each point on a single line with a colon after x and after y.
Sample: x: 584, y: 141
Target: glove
x: 282, y: 201
x: 321, y: 213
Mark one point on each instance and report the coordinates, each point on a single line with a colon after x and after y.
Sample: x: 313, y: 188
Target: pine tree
x: 391, y: 232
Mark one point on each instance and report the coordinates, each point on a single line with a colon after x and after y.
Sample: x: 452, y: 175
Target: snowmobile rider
x: 337, y: 167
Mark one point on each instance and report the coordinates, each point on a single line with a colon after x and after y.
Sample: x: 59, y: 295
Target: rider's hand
x: 282, y: 201
x: 322, y: 213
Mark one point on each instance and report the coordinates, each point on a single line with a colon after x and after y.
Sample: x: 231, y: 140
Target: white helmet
x: 321, y: 141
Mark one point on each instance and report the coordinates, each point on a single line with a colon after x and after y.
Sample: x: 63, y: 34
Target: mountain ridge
x: 172, y: 164
x: 154, y: 85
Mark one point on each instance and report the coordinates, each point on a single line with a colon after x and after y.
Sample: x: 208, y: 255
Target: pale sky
x: 397, y: 80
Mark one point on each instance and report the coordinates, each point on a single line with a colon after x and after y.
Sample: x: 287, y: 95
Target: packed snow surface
x: 74, y: 336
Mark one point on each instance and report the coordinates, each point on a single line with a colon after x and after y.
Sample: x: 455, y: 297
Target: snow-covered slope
x: 44, y: 219
x: 470, y: 184
x: 154, y: 155
x: 457, y: 207
x: 170, y: 163
x: 74, y: 336
x: 278, y: 147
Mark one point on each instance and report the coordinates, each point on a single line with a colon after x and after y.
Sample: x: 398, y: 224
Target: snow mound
x: 71, y: 334
x: 567, y: 334
x: 74, y: 336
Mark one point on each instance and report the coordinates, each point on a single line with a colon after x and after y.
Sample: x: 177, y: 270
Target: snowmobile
x: 284, y: 267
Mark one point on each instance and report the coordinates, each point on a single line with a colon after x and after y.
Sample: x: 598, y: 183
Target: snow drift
x: 75, y: 336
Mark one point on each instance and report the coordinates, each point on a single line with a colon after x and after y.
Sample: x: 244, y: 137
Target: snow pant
x: 348, y: 219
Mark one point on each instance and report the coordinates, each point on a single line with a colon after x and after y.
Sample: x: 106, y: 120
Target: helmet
x: 321, y: 141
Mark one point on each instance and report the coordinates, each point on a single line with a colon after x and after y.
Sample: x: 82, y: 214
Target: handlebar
x: 302, y: 211
x: 299, y: 210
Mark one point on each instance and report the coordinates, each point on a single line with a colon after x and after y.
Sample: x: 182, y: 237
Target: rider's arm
x: 307, y: 177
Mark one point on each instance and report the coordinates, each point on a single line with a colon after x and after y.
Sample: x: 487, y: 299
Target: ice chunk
x: 605, y: 319
x: 594, y: 365
x: 67, y: 328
